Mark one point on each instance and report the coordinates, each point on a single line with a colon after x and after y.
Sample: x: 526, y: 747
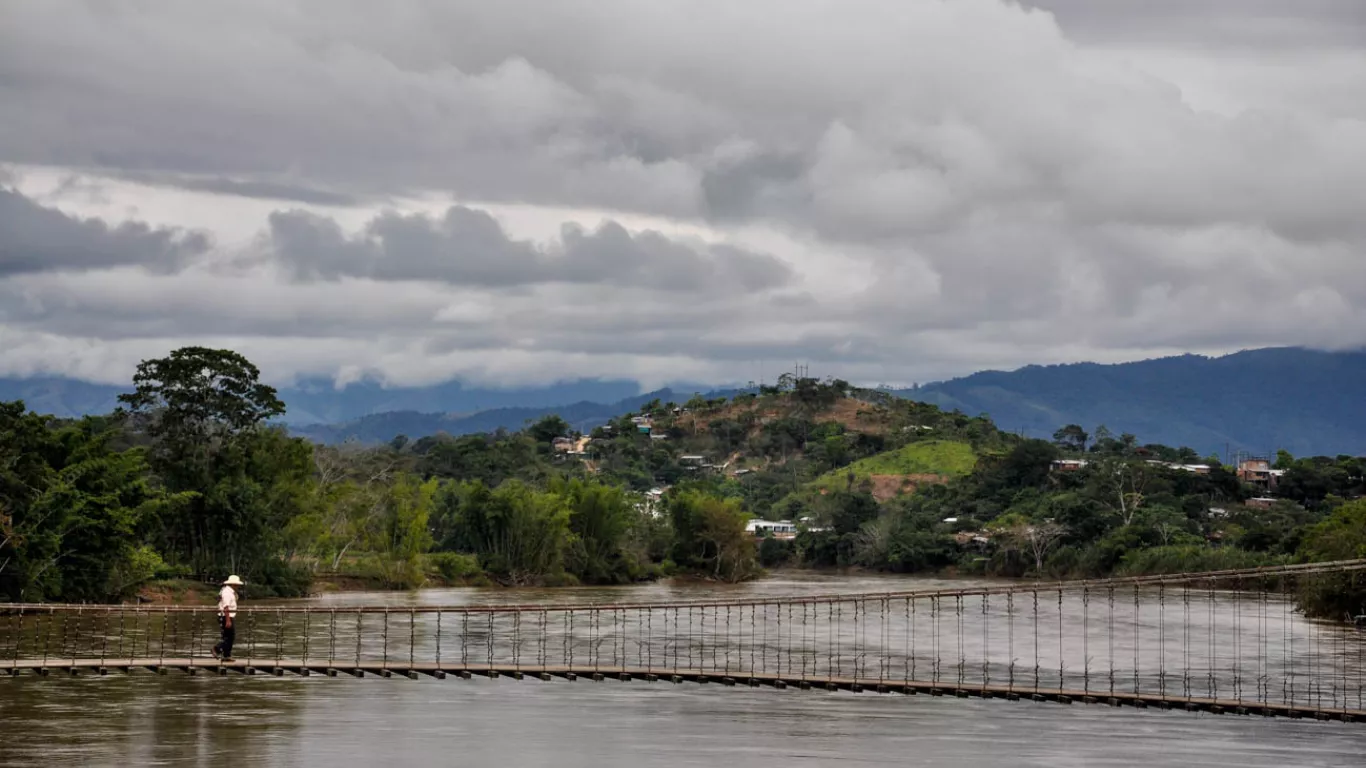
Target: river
x: 262, y: 721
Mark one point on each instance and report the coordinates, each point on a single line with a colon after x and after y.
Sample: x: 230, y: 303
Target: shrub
x: 167, y: 572
x: 454, y: 566
x: 276, y: 578
x: 775, y: 552
x: 560, y: 579
x: 1191, y: 559
x: 1340, y: 537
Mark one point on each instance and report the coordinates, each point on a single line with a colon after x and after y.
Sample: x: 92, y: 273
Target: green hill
x: 902, y: 470
x: 777, y: 448
x: 939, y: 457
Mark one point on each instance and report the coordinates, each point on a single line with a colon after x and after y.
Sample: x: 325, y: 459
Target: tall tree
x: 518, y: 532
x: 600, y: 516
x: 1036, y: 539
x: 547, y: 428
x: 710, y: 533
x: 204, y: 412
x: 197, y: 391
x: 398, y: 534
x: 1071, y: 438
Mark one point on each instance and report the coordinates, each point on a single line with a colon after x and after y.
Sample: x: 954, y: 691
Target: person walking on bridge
x: 227, y: 614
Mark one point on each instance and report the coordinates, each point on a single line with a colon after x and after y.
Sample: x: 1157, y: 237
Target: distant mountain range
x: 318, y: 401
x: 368, y: 412
x: 382, y: 427
x: 1301, y: 400
x: 1307, y: 402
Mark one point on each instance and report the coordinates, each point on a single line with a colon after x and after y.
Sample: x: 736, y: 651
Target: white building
x: 652, y: 502
x: 780, y: 529
x: 1069, y: 465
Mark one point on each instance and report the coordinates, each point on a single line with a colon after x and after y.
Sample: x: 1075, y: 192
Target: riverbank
x: 188, y: 592
x: 1153, y: 562
x: 184, y: 592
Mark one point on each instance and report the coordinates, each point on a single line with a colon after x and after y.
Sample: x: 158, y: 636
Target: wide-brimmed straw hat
x: 233, y: 581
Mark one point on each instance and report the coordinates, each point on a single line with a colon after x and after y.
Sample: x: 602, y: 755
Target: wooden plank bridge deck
x: 965, y: 689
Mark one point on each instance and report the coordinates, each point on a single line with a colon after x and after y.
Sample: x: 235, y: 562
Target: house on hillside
x: 651, y: 502
x: 978, y: 540
x: 1199, y: 469
x: 779, y: 529
x: 1068, y: 465
x: 1258, y: 472
x: 562, y: 444
x: 696, y: 462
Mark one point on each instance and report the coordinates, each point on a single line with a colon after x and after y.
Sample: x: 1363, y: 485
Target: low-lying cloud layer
x: 893, y: 190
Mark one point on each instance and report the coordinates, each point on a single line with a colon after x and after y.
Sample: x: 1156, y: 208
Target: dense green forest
x: 190, y: 480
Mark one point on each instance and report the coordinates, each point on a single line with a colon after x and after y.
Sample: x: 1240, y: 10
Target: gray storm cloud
x: 469, y: 247
x: 967, y: 184
x: 34, y: 238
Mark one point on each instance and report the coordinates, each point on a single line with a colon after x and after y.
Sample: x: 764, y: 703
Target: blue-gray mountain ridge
x: 1305, y: 401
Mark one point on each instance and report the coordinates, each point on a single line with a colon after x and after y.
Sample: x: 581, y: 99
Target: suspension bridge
x: 1222, y: 642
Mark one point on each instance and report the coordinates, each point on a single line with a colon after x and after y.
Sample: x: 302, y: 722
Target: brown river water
x: 263, y: 721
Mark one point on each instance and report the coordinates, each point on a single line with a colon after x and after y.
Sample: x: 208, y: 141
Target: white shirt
x: 227, y: 602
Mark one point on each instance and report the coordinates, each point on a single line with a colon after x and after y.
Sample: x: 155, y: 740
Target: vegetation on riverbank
x: 1052, y: 511
x: 190, y: 482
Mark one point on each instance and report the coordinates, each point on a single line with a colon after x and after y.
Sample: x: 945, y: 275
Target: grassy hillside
x: 905, y: 468
x: 939, y: 457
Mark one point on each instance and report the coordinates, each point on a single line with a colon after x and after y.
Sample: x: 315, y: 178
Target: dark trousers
x: 224, y: 646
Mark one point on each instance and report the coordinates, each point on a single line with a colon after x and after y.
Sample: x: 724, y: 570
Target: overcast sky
x: 525, y: 191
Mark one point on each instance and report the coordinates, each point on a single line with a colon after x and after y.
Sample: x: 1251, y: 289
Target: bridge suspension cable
x: 1222, y: 641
